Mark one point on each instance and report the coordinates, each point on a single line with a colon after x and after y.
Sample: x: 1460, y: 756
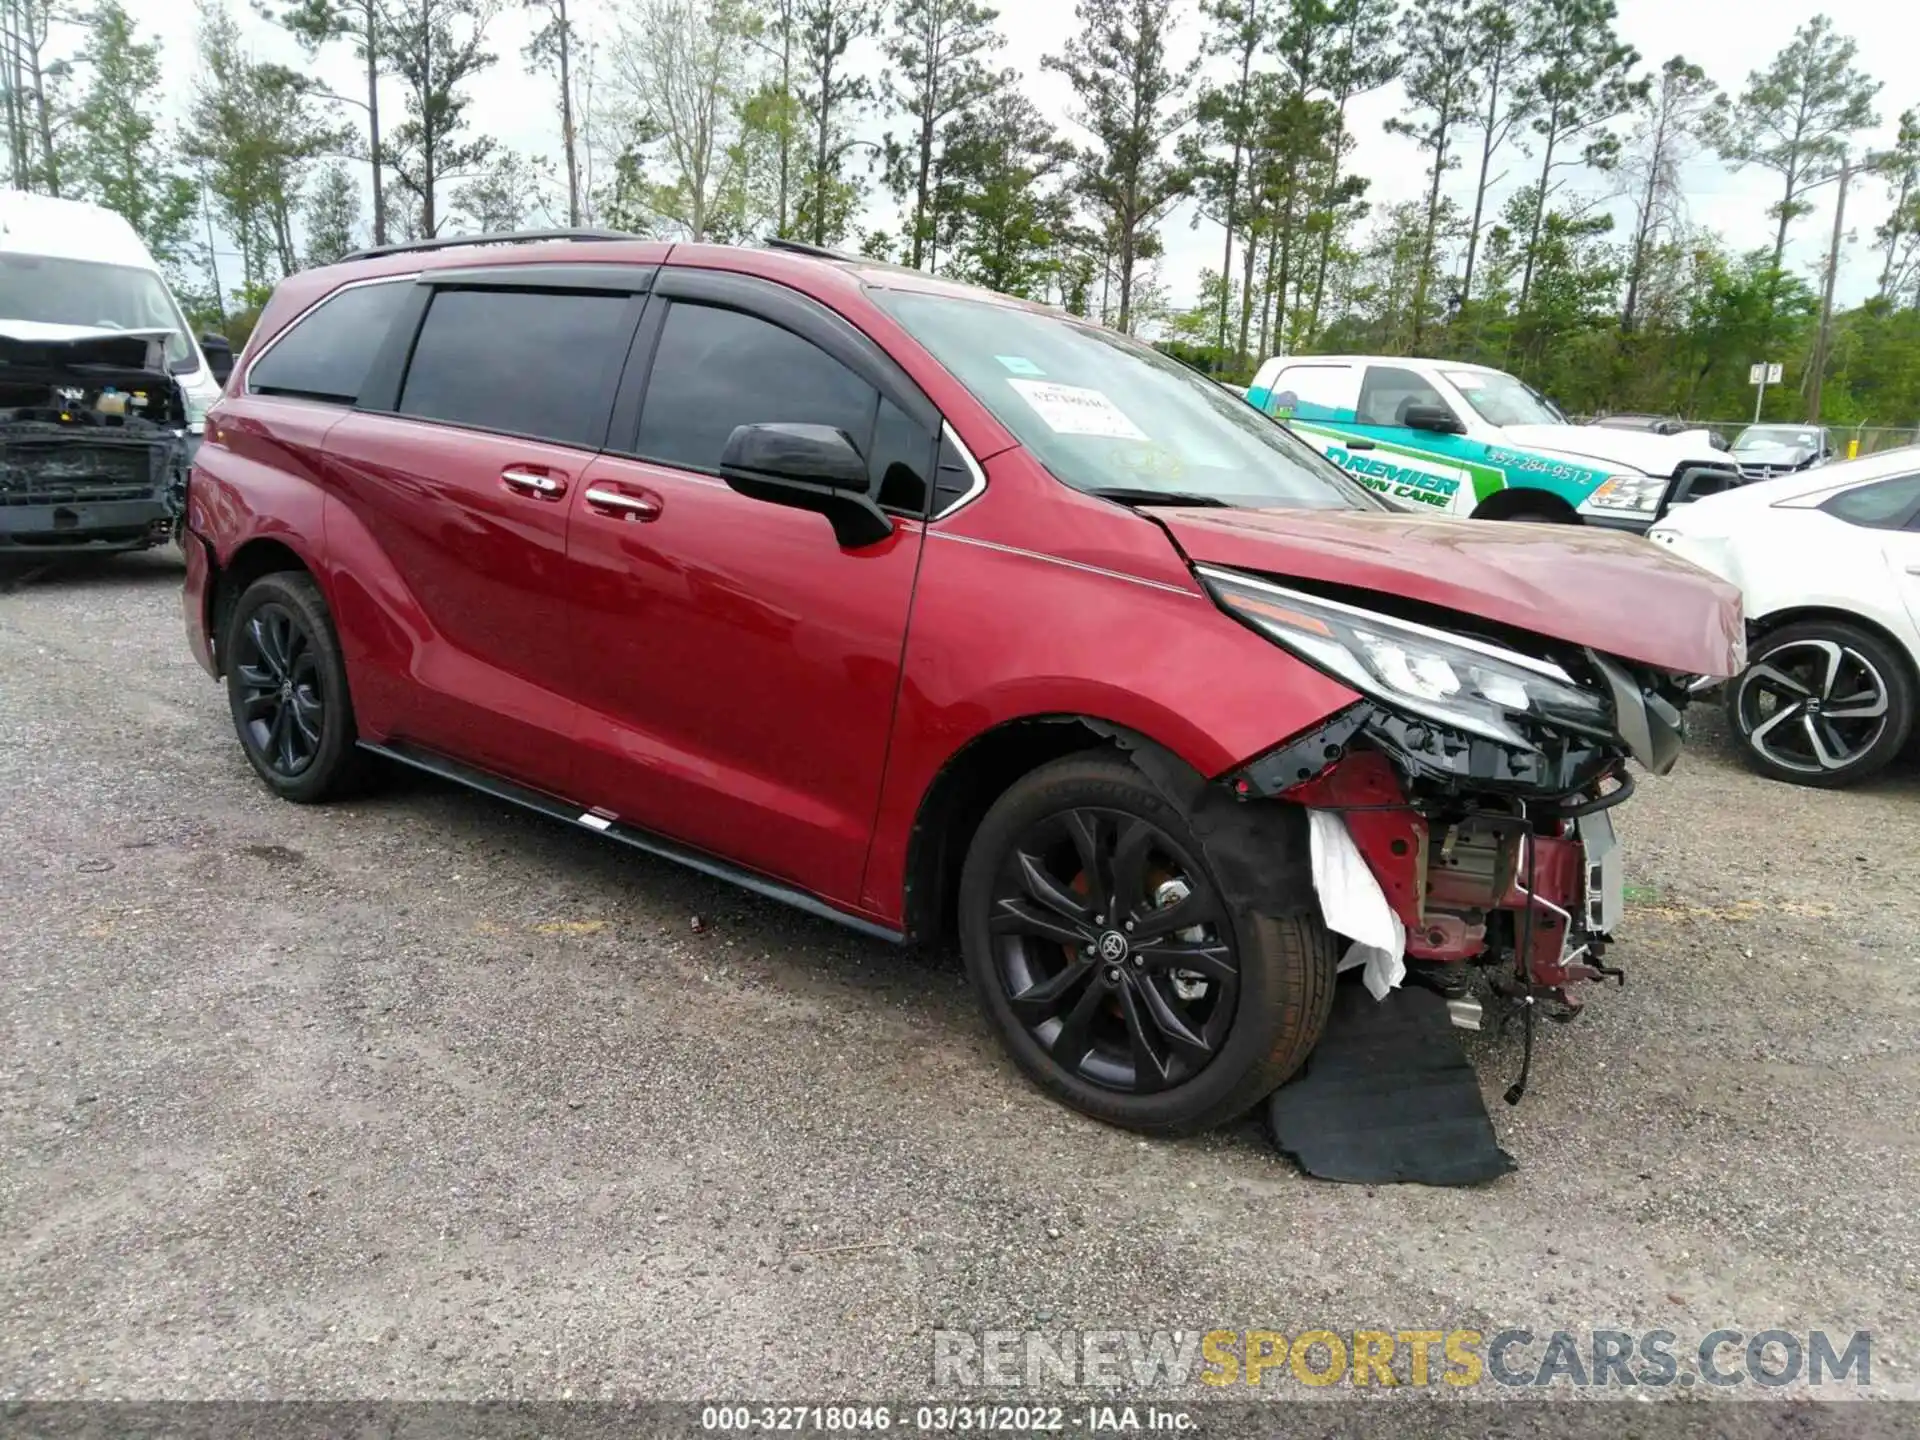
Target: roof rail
x: 807, y: 247
x: 506, y: 237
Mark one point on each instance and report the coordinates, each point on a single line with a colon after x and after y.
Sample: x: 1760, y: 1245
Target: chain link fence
x: 1849, y: 440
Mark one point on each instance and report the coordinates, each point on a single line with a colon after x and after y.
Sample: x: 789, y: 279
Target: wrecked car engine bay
x: 92, y: 443
x: 1462, y: 845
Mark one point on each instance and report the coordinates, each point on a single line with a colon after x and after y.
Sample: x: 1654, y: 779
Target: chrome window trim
x: 246, y: 379
x: 1079, y: 565
x: 975, y: 490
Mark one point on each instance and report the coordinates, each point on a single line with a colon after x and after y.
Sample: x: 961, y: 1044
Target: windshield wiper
x: 1128, y: 495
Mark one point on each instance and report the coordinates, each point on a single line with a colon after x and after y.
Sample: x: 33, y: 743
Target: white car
x: 70, y: 270
x: 1828, y: 565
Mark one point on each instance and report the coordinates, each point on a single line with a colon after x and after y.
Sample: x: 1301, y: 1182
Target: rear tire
x: 1095, y: 994
x: 287, y: 690
x: 1804, y: 709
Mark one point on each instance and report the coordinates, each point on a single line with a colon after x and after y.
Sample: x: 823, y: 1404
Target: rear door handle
x: 642, y: 507
x: 537, y: 483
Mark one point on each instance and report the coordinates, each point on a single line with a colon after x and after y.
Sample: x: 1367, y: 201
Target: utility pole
x: 373, y: 40
x: 1826, y: 294
x: 213, y: 261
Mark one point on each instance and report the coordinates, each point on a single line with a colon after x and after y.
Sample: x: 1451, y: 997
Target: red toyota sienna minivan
x: 921, y: 608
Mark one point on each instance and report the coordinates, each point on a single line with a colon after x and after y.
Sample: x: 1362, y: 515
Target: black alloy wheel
x: 287, y: 690
x: 1120, y: 976
x: 277, y: 675
x: 1114, y: 950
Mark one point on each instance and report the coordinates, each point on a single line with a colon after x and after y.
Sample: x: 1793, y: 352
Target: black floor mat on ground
x: 1387, y: 1096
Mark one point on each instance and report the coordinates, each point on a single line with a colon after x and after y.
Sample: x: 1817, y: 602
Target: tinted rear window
x: 521, y: 361
x: 326, y: 355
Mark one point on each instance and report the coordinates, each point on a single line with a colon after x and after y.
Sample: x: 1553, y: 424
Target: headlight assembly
x: 1628, y: 494
x: 1454, y: 679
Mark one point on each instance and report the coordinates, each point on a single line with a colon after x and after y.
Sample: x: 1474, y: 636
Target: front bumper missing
x: 1402, y: 884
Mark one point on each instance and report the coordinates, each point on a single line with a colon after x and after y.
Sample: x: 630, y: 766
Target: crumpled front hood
x: 60, y: 374
x: 1640, y: 450
x: 1614, y: 592
x: 32, y: 342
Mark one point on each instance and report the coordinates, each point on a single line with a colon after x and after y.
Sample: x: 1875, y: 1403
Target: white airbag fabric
x: 1353, y: 905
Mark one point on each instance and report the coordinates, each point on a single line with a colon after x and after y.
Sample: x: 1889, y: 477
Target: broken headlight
x: 1454, y: 679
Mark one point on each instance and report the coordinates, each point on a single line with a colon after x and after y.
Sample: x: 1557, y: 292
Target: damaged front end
x: 92, y: 444
x: 1461, y: 808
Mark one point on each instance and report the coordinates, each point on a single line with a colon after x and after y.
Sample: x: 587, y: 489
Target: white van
x: 69, y: 270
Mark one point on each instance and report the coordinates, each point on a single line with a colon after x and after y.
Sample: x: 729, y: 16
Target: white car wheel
x: 1821, y: 703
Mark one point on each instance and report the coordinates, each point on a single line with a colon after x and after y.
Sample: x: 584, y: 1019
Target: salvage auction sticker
x: 1076, y: 410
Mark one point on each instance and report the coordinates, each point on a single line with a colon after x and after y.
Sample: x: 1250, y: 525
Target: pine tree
x: 434, y: 47
x: 1581, y: 78
x: 1669, y: 121
x: 831, y: 96
x: 1131, y: 100
x: 119, y: 160
x: 1796, y: 118
x: 940, y: 50
x: 1439, y: 80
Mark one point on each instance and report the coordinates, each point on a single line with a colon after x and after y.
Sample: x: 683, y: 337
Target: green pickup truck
x: 1478, y: 443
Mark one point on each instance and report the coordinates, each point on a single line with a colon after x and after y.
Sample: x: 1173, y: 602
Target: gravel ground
x: 419, y: 1096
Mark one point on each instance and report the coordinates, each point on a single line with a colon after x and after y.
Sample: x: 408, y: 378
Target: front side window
x: 1499, y: 399
x: 325, y: 355
x: 1315, y: 392
x: 526, y: 362
x: 1389, y: 392
x: 52, y: 290
x: 1886, y: 505
x: 717, y: 369
x: 1105, y: 413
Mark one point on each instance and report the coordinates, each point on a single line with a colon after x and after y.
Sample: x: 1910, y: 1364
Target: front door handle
x: 643, y: 507
x: 537, y: 483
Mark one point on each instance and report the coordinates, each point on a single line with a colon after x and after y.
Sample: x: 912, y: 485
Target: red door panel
x: 449, y: 552
x: 737, y: 669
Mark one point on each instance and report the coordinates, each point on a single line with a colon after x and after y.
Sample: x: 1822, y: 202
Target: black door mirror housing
x: 1437, y: 418
x: 219, y: 355
x: 809, y: 467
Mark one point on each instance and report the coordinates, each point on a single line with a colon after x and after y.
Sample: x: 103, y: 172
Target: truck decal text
x: 1400, y: 481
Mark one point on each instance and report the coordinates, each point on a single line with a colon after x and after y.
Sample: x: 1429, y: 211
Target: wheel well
x: 961, y: 795
x: 249, y: 563
x: 1519, y: 500
x: 1779, y: 619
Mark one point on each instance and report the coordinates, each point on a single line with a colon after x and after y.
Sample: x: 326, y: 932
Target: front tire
x: 1117, y: 975
x: 1821, y: 703
x: 287, y: 690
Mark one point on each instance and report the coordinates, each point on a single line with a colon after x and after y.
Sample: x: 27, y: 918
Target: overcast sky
x: 1728, y: 38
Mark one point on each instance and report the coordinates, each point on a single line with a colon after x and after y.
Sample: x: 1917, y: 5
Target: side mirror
x: 1436, y: 418
x: 809, y: 467
x: 219, y: 355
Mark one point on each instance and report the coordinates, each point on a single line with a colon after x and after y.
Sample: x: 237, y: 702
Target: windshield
x: 1105, y: 413
x: 51, y: 290
x: 1765, y: 437
x: 1502, y: 400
